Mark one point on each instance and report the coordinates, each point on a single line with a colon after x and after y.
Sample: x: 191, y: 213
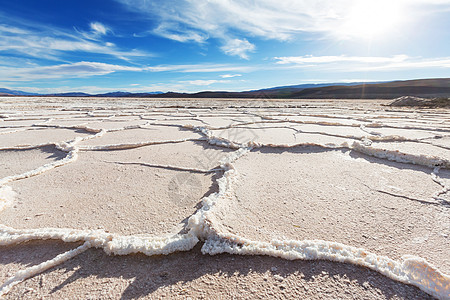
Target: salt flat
x: 129, y: 198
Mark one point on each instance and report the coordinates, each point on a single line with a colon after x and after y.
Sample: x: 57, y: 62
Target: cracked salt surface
x: 307, y: 180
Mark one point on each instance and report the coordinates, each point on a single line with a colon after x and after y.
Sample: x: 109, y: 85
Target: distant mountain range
x: 355, y: 90
x: 15, y: 93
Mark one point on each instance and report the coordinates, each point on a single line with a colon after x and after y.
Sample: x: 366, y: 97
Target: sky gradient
x: 97, y: 46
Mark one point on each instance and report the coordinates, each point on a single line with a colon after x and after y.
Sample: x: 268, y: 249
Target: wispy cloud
x: 437, y: 63
x: 86, y: 69
x: 362, y: 63
x: 201, y: 68
x: 97, y: 31
x: 310, y: 59
x: 176, y: 86
x: 201, y: 82
x: 235, y: 21
x: 99, y: 28
x: 238, y: 47
x: 73, y: 70
x: 230, y: 75
x: 4, y: 29
x: 175, y: 32
x: 43, y: 42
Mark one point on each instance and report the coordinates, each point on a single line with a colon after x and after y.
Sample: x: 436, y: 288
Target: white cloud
x: 231, y: 21
x: 4, y: 29
x: 45, y: 42
x: 177, y: 86
x: 437, y: 63
x: 230, y: 75
x: 238, y: 47
x: 174, y: 32
x: 98, y: 28
x: 87, y: 69
x: 200, y: 68
x: 310, y: 59
x: 362, y: 63
x: 204, y: 82
x: 74, y: 70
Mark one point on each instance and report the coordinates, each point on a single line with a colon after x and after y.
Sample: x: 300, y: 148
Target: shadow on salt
x: 196, y: 275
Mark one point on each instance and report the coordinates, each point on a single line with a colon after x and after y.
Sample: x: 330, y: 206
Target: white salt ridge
x: 132, y: 145
x: 371, y: 132
x: 395, y: 155
x: 370, y: 125
x: 109, y: 242
x: 34, y: 270
x: 438, y: 180
x: 373, y: 135
x: 7, y: 196
x: 411, y: 270
x: 82, y: 127
x: 213, y: 140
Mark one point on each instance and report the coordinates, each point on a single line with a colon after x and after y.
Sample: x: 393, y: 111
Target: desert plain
x: 107, y: 198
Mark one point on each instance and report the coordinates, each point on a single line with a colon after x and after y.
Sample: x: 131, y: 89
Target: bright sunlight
x: 371, y: 19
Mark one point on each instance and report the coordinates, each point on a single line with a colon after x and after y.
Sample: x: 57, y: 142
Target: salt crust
x: 410, y: 270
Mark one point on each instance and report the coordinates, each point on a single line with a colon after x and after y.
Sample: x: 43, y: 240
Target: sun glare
x: 371, y: 19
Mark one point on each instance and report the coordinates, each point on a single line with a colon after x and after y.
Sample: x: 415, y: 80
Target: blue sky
x: 100, y: 46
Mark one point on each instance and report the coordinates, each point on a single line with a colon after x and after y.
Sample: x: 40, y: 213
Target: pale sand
x: 146, y: 174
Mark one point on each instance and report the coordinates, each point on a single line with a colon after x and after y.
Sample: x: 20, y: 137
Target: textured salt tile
x: 14, y: 162
x: 180, y: 122
x: 344, y: 131
x: 91, y: 193
x: 73, y: 121
x: 414, y: 124
x: 384, y: 207
x: 407, y: 133
x: 321, y: 139
x: 199, y: 155
x: 152, y: 133
x: 415, y: 148
x: 109, y: 124
x: 324, y: 120
x: 442, y: 141
x: 218, y: 121
x: 307, y: 193
x: 40, y: 136
x: 261, y: 125
x: 246, y: 119
x: 21, y: 123
x: 125, y: 118
x: 6, y: 130
x: 277, y: 136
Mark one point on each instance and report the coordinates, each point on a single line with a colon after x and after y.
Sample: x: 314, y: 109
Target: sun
x: 371, y: 19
